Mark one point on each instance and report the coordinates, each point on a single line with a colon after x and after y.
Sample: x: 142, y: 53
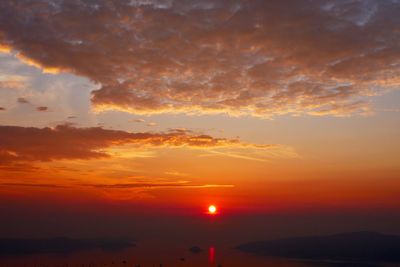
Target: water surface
x: 156, y: 254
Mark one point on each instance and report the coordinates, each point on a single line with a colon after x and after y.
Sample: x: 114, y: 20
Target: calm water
x: 151, y: 254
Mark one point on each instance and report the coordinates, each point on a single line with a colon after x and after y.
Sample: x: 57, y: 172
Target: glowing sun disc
x: 212, y: 209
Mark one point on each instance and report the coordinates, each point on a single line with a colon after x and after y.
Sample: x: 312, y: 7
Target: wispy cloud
x: 140, y: 185
x: 175, y: 173
x: 13, y: 82
x: 183, y: 184
x: 33, y: 185
x: 238, y: 156
x: 137, y: 120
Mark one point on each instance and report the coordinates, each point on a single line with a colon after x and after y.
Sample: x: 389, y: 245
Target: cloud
x: 22, y: 100
x: 42, y: 108
x: 175, y: 173
x: 14, y: 83
x: 183, y: 184
x: 24, y: 144
x: 33, y: 185
x: 261, y: 58
x: 137, y: 120
x: 122, y: 190
x: 5, y: 48
x: 134, y: 185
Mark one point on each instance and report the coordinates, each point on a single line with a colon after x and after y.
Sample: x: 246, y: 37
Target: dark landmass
x: 195, y: 249
x: 358, y: 246
x: 14, y: 246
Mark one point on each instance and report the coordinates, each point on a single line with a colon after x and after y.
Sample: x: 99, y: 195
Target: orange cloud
x: 32, y: 62
x: 179, y: 184
x: 120, y: 191
x: 183, y: 184
x: 5, y: 48
x: 262, y: 58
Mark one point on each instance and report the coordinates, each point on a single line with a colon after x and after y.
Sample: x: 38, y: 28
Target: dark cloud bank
x: 19, y: 144
x: 239, y: 57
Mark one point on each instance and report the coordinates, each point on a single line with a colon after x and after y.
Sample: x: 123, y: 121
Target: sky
x: 281, y: 113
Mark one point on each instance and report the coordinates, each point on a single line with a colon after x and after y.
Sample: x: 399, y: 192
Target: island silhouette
x: 17, y: 246
x: 353, y: 246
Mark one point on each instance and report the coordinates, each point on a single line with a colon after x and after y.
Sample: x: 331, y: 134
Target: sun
x: 212, y: 209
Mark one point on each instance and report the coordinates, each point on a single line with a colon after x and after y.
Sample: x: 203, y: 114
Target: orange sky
x: 166, y: 107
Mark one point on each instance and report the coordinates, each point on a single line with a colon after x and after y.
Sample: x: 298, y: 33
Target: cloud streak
x: 181, y: 184
x: 119, y: 191
x: 262, y: 58
x: 160, y: 185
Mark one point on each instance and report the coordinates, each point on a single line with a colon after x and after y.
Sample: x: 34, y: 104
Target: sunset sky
x: 160, y: 108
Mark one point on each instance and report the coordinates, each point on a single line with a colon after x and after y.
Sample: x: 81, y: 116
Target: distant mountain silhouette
x: 58, y: 245
x: 357, y: 246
